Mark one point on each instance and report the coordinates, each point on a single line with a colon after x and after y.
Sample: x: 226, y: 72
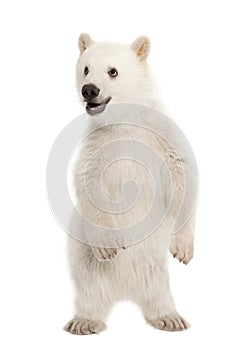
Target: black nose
x: 90, y: 91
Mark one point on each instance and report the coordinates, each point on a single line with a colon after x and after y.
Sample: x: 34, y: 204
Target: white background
x: 198, y: 57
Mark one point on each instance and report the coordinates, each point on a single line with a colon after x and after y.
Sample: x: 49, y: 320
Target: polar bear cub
x: 113, y: 80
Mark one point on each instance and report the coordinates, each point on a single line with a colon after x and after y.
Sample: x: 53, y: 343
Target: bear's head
x: 113, y: 73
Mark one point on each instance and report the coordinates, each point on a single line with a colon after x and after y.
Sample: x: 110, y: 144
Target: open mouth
x: 97, y: 107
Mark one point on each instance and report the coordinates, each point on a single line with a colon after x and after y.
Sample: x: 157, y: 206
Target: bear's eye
x: 113, y: 72
x: 86, y: 70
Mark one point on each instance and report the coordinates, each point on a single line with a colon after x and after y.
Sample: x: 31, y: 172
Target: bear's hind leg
x: 157, y: 303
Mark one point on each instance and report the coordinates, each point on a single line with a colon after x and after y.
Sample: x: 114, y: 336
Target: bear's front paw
x: 105, y: 254
x: 181, y: 247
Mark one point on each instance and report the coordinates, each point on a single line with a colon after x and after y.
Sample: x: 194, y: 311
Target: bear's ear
x: 142, y: 47
x: 84, y: 42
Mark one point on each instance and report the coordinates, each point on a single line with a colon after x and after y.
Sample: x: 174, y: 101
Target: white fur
x: 104, y: 276
x: 134, y: 83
